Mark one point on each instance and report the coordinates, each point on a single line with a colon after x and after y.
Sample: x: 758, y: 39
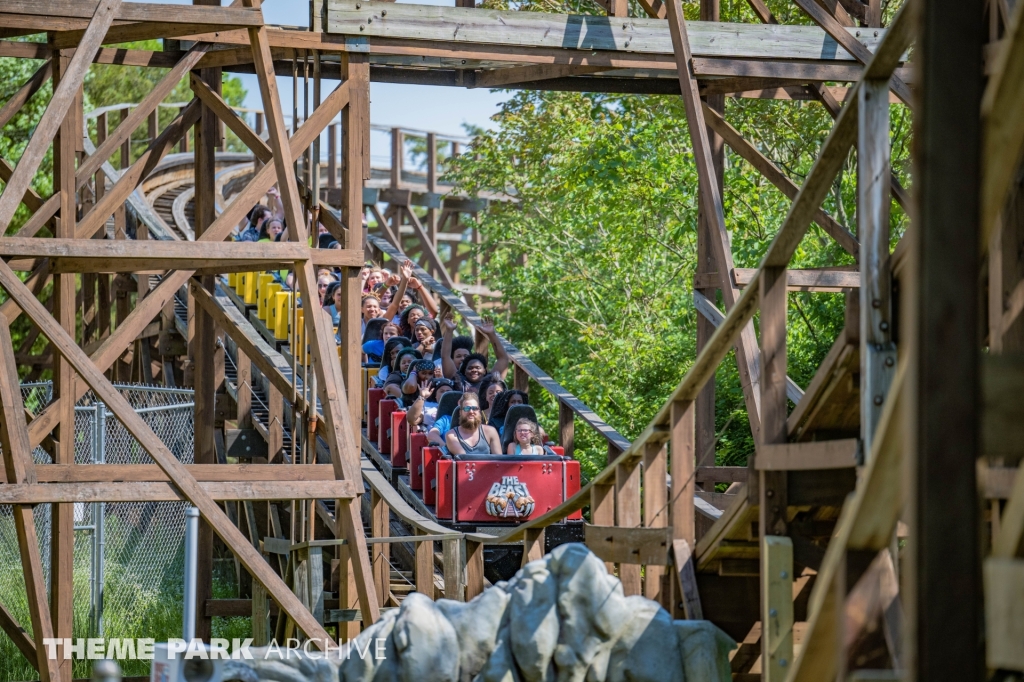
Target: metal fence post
x: 99, y: 456
x: 191, y: 557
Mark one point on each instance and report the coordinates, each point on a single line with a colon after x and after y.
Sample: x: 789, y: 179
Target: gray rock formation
x: 562, y: 618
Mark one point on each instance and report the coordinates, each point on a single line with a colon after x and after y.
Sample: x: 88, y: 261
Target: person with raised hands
x: 473, y: 368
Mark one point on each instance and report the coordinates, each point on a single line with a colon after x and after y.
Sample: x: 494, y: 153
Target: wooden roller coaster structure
x: 905, y: 444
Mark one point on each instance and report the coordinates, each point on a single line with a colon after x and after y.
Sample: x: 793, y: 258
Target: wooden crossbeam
x: 204, y: 473
x: 158, y: 491
x: 496, y: 78
x: 175, y: 470
x: 139, y: 11
x: 129, y: 255
x: 20, y: 469
x: 151, y: 306
x: 63, y: 96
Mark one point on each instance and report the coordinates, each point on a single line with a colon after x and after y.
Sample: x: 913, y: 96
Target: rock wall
x: 562, y: 618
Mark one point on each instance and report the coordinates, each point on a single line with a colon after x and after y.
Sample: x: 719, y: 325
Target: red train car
x: 501, y: 489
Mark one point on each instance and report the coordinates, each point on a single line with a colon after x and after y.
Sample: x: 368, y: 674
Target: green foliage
x: 595, y: 250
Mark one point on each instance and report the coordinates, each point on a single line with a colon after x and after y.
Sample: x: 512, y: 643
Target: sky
x: 421, y: 107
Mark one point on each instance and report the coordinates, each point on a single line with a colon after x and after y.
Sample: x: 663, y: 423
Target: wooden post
x: 681, y: 447
x: 204, y: 346
x: 380, y: 515
x: 877, y: 351
x: 122, y: 370
x: 348, y: 597
x: 533, y: 545
x: 452, y: 569
x: 183, y: 145
x: 332, y: 155
x: 772, y: 484
x: 474, y: 568
x: 627, y: 515
x: 776, y: 607
x: 566, y: 428
x: 19, y: 468
x: 257, y: 164
x: 602, y: 509
x: 432, y: 187
x: 424, y: 573
x: 62, y: 538
x: 656, y: 512
x: 243, y: 378
x: 521, y: 382
x: 397, y: 157
x: 942, y: 588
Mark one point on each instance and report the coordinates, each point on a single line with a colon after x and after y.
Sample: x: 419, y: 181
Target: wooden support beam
x: 204, y: 473
x: 95, y: 255
x: 627, y: 516
x: 655, y: 511
x: 64, y: 95
x: 682, y: 558
x: 810, y: 456
x: 776, y: 607
x: 533, y: 545
x: 943, y: 589
x: 877, y: 350
x: 19, y: 468
x: 151, y: 491
x: 683, y: 464
x: 498, y: 78
x: 19, y: 636
x: 712, y: 314
x: 202, y: 347
x: 62, y: 535
x: 165, y: 13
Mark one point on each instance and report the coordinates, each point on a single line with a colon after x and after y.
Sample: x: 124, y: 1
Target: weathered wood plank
x: 123, y: 491
x: 209, y: 473
x: 620, y: 545
x: 584, y: 32
x: 139, y: 11
x: 823, y: 454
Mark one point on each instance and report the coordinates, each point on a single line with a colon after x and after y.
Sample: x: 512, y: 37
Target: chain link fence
x: 129, y: 556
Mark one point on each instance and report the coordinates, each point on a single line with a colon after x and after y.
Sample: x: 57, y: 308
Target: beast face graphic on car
x: 509, y: 499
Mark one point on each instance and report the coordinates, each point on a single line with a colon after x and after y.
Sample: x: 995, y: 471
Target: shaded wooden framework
x: 807, y: 537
